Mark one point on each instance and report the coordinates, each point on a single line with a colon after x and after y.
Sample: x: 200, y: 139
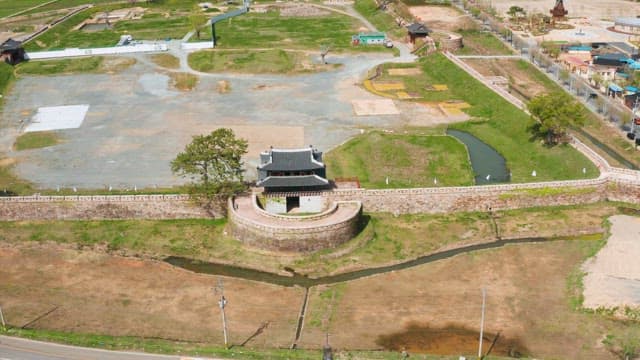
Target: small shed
x: 417, y: 30
x: 12, y: 52
x: 369, y: 38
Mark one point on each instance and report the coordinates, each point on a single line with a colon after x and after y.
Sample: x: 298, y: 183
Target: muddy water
x: 419, y: 338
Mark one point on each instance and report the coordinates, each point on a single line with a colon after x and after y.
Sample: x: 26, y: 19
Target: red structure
x: 558, y: 11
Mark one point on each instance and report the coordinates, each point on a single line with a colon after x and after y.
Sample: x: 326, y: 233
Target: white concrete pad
x: 375, y: 107
x: 58, y: 118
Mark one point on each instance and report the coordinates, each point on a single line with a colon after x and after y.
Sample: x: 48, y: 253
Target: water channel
x: 304, y: 281
x: 489, y: 167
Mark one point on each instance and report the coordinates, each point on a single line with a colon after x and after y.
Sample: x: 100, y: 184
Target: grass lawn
x: 408, y: 160
x: 7, y: 77
x: 160, y: 346
x: 386, y: 238
x: 499, y: 124
x: 9, y: 7
x: 166, y: 60
x: 272, y: 31
x: 183, y: 81
x: 148, y: 28
x: 482, y: 43
x: 95, y: 64
x: 255, y: 62
x: 380, y: 19
x: 595, y: 126
x: 35, y: 140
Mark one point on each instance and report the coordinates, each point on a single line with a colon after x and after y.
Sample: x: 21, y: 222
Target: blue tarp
x: 622, y: 75
x: 614, y: 87
x: 631, y: 88
x: 580, y: 48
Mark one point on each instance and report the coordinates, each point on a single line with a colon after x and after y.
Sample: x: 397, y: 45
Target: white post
x: 481, y: 324
x: 4, y: 325
x: 222, y: 303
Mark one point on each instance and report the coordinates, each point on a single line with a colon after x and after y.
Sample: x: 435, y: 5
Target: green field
x: 379, y: 18
x: 150, y: 27
x: 385, y: 238
x: 36, y: 140
x: 272, y: 31
x: 407, y: 160
x: 167, y: 5
x: 499, y: 124
x: 10, y: 7
x: 255, y: 62
x: 482, y: 43
x: 94, y: 64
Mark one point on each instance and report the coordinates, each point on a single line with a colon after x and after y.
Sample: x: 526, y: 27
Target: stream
x: 489, y: 167
x: 306, y: 282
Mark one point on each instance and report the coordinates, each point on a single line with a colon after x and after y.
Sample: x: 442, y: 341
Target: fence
x: 115, y: 50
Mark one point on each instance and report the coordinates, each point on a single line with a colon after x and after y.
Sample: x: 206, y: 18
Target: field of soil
x: 442, y: 17
x: 517, y: 72
x: 436, y: 308
x: 613, y: 275
x: 56, y: 288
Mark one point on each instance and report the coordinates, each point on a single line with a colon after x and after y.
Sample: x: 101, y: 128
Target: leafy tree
x: 214, y: 163
x: 515, y: 12
x: 554, y: 113
x: 197, y: 20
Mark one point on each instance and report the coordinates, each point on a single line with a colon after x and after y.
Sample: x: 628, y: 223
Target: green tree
x: 197, y: 20
x: 553, y: 114
x: 515, y: 12
x: 214, y: 163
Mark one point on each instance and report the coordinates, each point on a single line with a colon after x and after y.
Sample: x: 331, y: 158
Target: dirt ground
x: 520, y: 80
x: 435, y: 308
x: 442, y: 17
x: 613, y: 275
x: 97, y: 293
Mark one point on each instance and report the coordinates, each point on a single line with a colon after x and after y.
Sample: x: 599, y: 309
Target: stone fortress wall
x: 99, y: 207
x: 258, y: 228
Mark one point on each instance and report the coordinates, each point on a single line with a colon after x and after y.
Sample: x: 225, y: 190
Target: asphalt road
x: 12, y: 348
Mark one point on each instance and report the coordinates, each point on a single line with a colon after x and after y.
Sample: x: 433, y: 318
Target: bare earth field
x: 519, y: 78
x: 96, y: 293
x: 613, y: 275
x: 441, y: 17
x: 435, y: 308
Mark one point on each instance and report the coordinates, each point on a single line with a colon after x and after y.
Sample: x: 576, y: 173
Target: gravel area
x: 137, y: 122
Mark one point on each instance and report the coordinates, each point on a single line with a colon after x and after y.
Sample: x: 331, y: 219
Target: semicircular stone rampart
x: 255, y: 227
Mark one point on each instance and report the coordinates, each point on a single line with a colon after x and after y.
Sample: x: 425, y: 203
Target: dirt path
x: 613, y: 275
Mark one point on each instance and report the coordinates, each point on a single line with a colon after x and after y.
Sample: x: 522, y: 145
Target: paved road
x: 12, y: 348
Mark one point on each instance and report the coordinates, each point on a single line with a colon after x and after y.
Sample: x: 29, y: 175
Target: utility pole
x: 222, y: 303
x: 484, y: 293
x: 4, y: 325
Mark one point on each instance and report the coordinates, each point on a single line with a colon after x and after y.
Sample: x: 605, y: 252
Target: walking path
x: 489, y: 56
